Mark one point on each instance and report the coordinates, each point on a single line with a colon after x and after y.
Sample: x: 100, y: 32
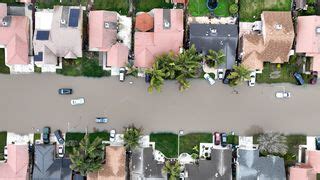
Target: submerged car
x: 226, y: 80
x: 223, y: 138
x: 60, y: 151
x: 101, y: 120
x: 77, y: 101
x: 283, y: 94
x: 112, y: 135
x: 317, y: 143
x: 298, y: 78
x: 314, y: 77
x: 46, y: 135
x: 220, y: 74
x: 209, y: 79
x: 252, y: 80
x: 217, y: 138
x: 59, y: 137
x: 65, y: 91
x: 122, y: 75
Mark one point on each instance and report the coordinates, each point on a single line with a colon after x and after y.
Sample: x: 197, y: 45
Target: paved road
x: 29, y: 102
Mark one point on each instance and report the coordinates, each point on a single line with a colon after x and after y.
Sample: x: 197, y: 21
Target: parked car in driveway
x: 59, y: 136
x: 65, y: 91
x: 298, y: 78
x: 77, y: 101
x: 112, y: 135
x: 101, y: 120
x: 46, y: 135
x: 5, y: 153
x: 209, y: 79
x: 60, y: 151
x: 217, y: 138
x: 283, y: 94
x: 220, y: 74
x: 122, y: 74
x: 223, y: 138
x: 317, y: 143
x: 226, y: 80
x: 314, y: 77
x: 252, y: 80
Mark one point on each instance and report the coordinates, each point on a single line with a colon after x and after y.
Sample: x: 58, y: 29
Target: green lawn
x: 147, y: 5
x: 223, y: 8
x: 3, y: 68
x: 121, y: 6
x: 44, y: 4
x: 36, y: 136
x: 286, y: 72
x: 188, y: 141
x: 82, y: 67
x: 167, y: 143
x: 198, y: 8
x: 72, y: 140
x: 3, y: 143
x: 250, y: 10
x: 104, y: 135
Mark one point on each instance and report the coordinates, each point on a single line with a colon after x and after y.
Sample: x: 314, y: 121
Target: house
x: 165, y: 34
x: 58, y: 36
x: 16, y: 166
x: 114, y: 168
x: 105, y: 29
x: 219, y: 167
x: 308, y: 39
x: 144, y: 166
x: 272, y: 45
x: 251, y: 166
x: 184, y: 2
x: 309, y: 169
x: 47, y: 166
x: 216, y: 37
x: 14, y: 38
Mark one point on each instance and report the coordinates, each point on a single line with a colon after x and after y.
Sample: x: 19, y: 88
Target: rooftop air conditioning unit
x: 278, y: 26
x: 4, y: 23
x: 166, y: 24
x: 317, y: 30
x: 62, y: 21
x: 106, y: 25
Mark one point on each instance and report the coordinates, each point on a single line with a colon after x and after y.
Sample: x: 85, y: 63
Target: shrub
x: 311, y: 10
x: 233, y: 9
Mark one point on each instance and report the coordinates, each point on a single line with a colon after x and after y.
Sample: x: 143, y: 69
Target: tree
x: 132, y: 136
x: 157, y: 77
x: 233, y: 8
x: 215, y: 59
x: 172, y: 169
x: 273, y: 143
x: 166, y: 63
x: 311, y: 2
x: 88, y: 157
x: 311, y: 10
x: 239, y: 75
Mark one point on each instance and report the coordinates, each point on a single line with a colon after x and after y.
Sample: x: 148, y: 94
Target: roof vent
x: 278, y: 26
x: 106, y: 25
x: 213, y: 31
x: 63, y: 21
x: 317, y: 30
x: 5, y: 23
x: 166, y: 24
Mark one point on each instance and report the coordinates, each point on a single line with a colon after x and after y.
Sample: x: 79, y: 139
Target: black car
x: 59, y: 137
x: 46, y: 135
x: 314, y: 77
x: 298, y: 78
x: 65, y: 91
x: 223, y: 138
x: 147, y: 78
x: 226, y: 80
x: 317, y: 143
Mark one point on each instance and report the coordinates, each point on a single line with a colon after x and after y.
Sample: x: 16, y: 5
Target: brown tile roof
x: 275, y: 43
x: 114, y: 169
x: 144, y: 22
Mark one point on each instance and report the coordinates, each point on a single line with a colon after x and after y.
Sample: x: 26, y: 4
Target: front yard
x: 167, y: 143
x: 3, y: 143
x: 189, y: 141
x: 72, y: 140
x: 250, y: 10
x: 283, y: 74
x: 147, y: 5
x: 121, y: 6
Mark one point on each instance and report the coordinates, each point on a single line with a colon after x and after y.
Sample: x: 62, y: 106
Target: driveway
x: 29, y: 102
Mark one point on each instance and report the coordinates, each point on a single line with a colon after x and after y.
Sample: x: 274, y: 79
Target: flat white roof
x: 43, y: 19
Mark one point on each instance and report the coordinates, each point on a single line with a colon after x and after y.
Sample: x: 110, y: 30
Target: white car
x: 77, y: 101
x: 220, y: 74
x: 112, y: 135
x: 252, y: 80
x: 209, y: 79
x: 5, y: 153
x: 60, y: 151
x: 122, y: 74
x: 283, y: 94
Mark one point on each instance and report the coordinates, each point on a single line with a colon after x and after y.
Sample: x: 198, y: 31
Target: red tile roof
x: 308, y: 170
x: 144, y: 22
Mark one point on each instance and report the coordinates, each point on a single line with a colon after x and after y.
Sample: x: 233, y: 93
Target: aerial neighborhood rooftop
x: 223, y: 43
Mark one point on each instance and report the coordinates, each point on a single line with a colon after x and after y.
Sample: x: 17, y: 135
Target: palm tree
x: 157, y: 77
x: 273, y: 143
x: 132, y: 137
x: 172, y: 169
x: 88, y: 157
x: 166, y: 63
x: 239, y: 75
x: 214, y: 58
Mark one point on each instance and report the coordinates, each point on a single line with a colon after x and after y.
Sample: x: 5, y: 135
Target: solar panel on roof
x: 74, y: 17
x: 42, y: 35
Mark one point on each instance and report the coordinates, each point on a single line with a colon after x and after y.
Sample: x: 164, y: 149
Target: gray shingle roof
x: 144, y: 166
x: 216, y: 37
x: 252, y: 166
x: 218, y: 168
x: 49, y: 168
